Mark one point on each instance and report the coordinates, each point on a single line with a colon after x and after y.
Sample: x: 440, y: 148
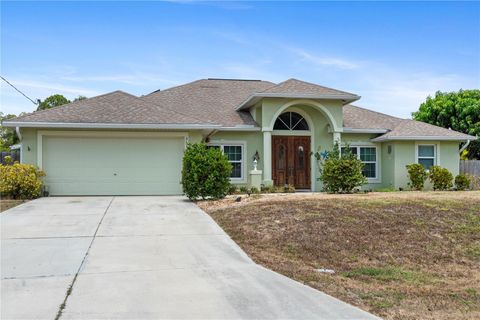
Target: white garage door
x: 112, y: 165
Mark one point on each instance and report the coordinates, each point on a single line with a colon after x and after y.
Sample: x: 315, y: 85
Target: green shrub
x: 254, y: 190
x: 8, y: 160
x: 441, y: 178
x: 20, y: 181
x: 462, y: 182
x: 340, y: 172
x: 267, y: 189
x: 205, y: 173
x: 232, y: 189
x: 417, y: 175
x: 243, y: 189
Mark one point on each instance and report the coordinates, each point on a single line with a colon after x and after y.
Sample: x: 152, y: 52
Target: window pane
x: 234, y: 153
x: 290, y: 121
x: 301, y: 157
x: 280, y: 125
x: 426, y: 151
x: 236, y: 170
x: 368, y: 154
x: 298, y: 122
x: 427, y: 163
x: 369, y: 170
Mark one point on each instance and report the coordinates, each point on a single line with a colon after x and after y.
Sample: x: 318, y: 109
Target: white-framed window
x: 426, y: 155
x: 368, y: 155
x: 235, y: 155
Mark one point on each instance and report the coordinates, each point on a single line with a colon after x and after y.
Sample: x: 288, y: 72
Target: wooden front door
x: 291, y: 161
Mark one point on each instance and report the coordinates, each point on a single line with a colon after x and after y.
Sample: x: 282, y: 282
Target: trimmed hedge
x: 441, y: 178
x: 417, y: 175
x: 205, y: 173
x: 340, y: 172
x: 462, y: 182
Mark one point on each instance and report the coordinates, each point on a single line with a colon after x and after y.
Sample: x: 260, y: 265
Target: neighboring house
x: 120, y: 144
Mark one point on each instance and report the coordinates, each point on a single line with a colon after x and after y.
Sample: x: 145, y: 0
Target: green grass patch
x: 389, y: 273
x: 473, y: 251
x: 382, y: 299
x: 471, y: 226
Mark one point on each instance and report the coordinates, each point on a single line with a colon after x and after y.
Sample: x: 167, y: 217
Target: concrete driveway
x: 140, y: 258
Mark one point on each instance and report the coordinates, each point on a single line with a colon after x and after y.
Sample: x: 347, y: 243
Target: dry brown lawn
x: 404, y: 255
x: 7, y: 204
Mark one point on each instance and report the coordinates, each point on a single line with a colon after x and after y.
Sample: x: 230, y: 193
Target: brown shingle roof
x: 114, y: 107
x: 214, y: 103
x: 360, y: 118
x: 211, y: 99
x: 301, y: 87
x: 420, y: 130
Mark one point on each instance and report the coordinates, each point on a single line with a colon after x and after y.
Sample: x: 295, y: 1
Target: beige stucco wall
x: 447, y: 156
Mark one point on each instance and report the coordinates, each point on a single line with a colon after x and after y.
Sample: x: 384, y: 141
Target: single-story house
x: 121, y: 144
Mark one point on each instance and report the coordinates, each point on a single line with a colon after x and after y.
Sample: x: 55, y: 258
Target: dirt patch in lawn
x: 8, y: 204
x: 408, y: 255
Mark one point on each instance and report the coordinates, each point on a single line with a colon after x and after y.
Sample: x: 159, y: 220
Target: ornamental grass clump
x: 20, y: 181
x: 205, y: 173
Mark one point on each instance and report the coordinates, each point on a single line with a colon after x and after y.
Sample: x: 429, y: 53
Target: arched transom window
x: 290, y: 121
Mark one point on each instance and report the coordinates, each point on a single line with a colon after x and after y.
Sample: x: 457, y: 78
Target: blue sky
x: 393, y: 54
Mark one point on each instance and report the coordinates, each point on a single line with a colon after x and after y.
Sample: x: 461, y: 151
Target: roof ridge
x: 70, y: 103
x: 313, y: 84
x: 174, y: 87
x: 233, y: 79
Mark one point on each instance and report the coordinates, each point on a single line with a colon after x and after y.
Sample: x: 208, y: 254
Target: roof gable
x: 302, y: 87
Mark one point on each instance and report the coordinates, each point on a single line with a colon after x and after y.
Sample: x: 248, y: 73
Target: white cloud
x: 51, y: 88
x: 400, y: 92
x: 324, y: 61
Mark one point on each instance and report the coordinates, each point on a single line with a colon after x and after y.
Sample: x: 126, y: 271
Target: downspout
x: 206, y: 139
x: 464, y: 146
x: 19, y: 134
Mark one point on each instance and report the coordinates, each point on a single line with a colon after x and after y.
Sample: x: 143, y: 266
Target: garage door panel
x: 112, y: 166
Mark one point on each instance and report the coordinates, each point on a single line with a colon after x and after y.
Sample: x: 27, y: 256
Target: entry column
x: 267, y: 158
x: 337, y: 137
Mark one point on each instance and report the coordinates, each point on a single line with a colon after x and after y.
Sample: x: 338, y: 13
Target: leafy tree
x: 459, y: 111
x: 79, y: 98
x: 8, y: 136
x: 52, y: 101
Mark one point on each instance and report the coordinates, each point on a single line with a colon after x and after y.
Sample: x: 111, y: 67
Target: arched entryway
x: 291, y: 145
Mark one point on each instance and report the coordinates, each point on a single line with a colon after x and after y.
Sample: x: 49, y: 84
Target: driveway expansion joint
x: 70, y: 288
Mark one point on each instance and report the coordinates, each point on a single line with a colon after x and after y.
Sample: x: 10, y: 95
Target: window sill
x: 238, y: 180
